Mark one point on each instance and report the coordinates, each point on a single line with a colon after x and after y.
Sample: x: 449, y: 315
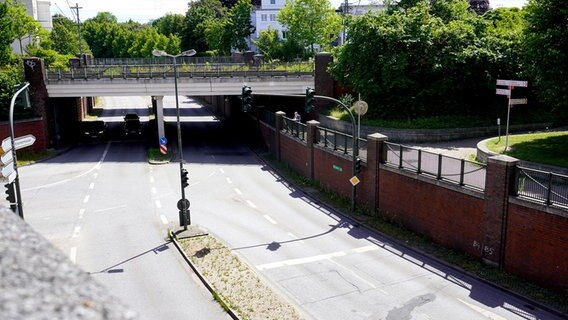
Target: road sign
x: 163, y: 149
x: 163, y: 140
x: 6, y: 145
x: 518, y: 101
x: 24, y: 141
x: 7, y: 169
x: 512, y: 83
x: 504, y: 92
x: 10, y: 178
x: 361, y: 107
x: 354, y: 180
x: 6, y: 158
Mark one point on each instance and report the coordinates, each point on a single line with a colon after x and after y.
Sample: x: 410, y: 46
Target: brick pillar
x: 311, y: 141
x: 499, y: 184
x: 34, y: 74
x: 279, y: 124
x: 324, y: 83
x: 375, y: 147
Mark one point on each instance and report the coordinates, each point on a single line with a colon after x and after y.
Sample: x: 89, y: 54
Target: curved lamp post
x: 183, y: 203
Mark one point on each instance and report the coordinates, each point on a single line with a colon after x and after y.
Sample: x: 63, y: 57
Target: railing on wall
x: 97, y: 72
x: 545, y: 187
x: 442, y: 167
x: 295, y: 128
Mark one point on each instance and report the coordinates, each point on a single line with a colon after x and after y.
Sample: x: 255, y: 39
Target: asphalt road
x: 108, y: 208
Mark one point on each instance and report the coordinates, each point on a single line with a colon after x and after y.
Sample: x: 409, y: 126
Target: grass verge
x: 155, y: 156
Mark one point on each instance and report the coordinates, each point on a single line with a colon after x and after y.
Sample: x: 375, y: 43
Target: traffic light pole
x: 20, y: 208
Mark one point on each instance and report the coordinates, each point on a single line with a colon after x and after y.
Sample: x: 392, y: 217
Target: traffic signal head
x: 246, y: 98
x: 358, y: 165
x: 310, y: 93
x: 184, y: 178
x: 11, y: 196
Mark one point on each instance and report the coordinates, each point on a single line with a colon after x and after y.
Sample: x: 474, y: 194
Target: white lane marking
x: 151, y: 179
x: 486, y: 313
x: 221, y: 170
x: 293, y: 236
x: 154, y: 191
x: 228, y: 180
x: 97, y: 166
x: 365, y: 249
x: 81, y: 213
x: 212, y: 174
x: 251, y: 204
x: 76, y: 232
x: 293, y: 262
x: 238, y: 191
x: 92, y: 186
x: 86, y: 199
x: 73, y: 255
x: 267, y: 217
x: 111, y: 208
x: 95, y: 175
x: 164, y: 219
x: 158, y: 204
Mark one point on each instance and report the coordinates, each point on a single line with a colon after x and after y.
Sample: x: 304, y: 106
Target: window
x: 263, y: 17
x: 272, y: 17
x: 284, y: 34
x: 272, y: 1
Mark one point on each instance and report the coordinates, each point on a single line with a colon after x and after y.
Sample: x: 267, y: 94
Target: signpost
x: 507, y: 92
x: 163, y: 145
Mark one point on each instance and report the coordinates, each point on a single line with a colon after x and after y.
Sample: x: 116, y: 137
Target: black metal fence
x: 295, y: 128
x: 545, y: 187
x: 442, y: 167
x: 145, y: 71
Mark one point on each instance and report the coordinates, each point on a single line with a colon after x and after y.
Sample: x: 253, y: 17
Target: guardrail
x: 295, y: 128
x: 340, y: 141
x: 97, y: 72
x: 442, y: 167
x: 546, y: 187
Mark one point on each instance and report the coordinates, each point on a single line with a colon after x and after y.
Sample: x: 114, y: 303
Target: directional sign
x: 163, y: 140
x: 6, y: 145
x: 512, y: 83
x: 24, y: 141
x: 8, y: 169
x: 10, y: 178
x: 6, y: 158
x: 518, y: 101
x: 504, y: 92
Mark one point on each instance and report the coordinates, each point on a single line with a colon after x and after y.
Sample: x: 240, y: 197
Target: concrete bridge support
x: 160, y: 115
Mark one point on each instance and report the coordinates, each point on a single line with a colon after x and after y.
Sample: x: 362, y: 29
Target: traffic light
x: 184, y: 178
x: 310, y: 99
x: 358, y: 165
x: 246, y: 98
x: 11, y: 195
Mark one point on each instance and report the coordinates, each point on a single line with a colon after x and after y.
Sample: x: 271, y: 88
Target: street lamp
x: 183, y: 203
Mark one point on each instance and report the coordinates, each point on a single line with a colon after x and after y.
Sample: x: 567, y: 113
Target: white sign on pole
x: 24, y: 141
x: 8, y: 169
x: 6, y: 145
x: 10, y: 178
x: 512, y: 83
x: 518, y: 101
x: 504, y: 92
x: 6, y: 158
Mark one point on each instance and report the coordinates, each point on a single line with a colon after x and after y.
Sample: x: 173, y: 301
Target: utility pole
x: 76, y: 7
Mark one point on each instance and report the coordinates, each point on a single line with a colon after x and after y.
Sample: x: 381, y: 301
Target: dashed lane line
x: 92, y: 186
x: 73, y: 255
x: 267, y: 217
x: 237, y: 191
x: 158, y: 204
x: 251, y: 204
x: 164, y: 219
x: 292, y: 262
x: 76, y: 232
x: 228, y: 180
x: 86, y: 199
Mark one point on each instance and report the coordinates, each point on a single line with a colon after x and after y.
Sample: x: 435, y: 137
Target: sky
x: 146, y: 10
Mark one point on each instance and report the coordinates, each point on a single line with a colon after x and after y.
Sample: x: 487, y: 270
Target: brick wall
x: 35, y: 127
x: 537, y: 245
x: 294, y: 153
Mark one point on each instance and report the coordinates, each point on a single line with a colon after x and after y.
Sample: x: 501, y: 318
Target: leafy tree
x: 7, y: 35
x: 546, y: 53
x: 239, y: 26
x: 269, y: 43
x: 217, y: 36
x: 169, y: 24
x: 22, y: 24
x: 198, y: 13
x: 310, y: 22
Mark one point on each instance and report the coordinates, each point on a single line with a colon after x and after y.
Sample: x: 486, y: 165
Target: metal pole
x: 507, y: 129
x: 11, y: 125
x: 79, y: 31
x: 180, y: 145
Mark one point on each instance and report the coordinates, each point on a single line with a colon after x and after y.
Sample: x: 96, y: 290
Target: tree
x: 23, y: 25
x: 198, y: 13
x: 310, y: 22
x: 240, y: 27
x: 269, y: 43
x: 169, y: 24
x: 546, y: 56
x: 7, y: 35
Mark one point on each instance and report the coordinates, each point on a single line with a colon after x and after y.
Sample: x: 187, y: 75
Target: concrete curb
x: 209, y: 287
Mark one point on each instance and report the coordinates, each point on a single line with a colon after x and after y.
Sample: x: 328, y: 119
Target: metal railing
x: 546, y: 187
x: 334, y: 140
x: 185, y: 70
x: 442, y: 167
x: 295, y: 128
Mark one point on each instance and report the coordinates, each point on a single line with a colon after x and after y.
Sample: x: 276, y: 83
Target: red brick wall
x: 537, y: 246
x: 294, y: 153
x: 448, y: 217
x: 35, y: 127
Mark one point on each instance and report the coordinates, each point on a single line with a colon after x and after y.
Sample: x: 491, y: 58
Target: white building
x: 264, y: 17
x: 40, y: 11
